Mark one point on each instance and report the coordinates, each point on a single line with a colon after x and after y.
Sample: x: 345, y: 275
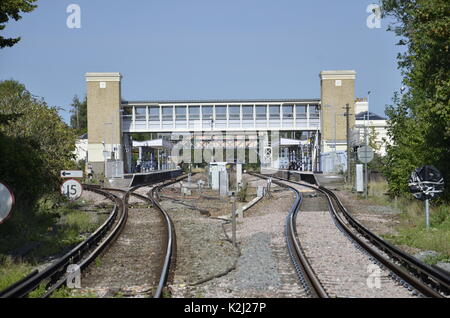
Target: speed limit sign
x: 72, y: 189
x: 6, y: 202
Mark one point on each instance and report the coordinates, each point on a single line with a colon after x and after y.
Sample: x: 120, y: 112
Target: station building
x: 374, y: 125
x: 275, y: 132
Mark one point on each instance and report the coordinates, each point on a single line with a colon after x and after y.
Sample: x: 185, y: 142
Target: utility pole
x: 349, y: 170
x: 366, y: 138
x: 366, y: 175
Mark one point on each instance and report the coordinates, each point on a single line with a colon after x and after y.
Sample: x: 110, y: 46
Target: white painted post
x: 160, y: 118
x: 146, y: 117
x: 238, y: 175
x: 140, y: 154
x: 133, y: 118
x: 233, y: 219
x: 359, y: 178
x: 427, y: 213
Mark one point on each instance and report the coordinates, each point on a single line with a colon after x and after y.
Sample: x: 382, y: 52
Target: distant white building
x: 81, y: 147
x: 373, y: 122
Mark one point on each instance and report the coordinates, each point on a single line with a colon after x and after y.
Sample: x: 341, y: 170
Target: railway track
x: 55, y: 276
x: 409, y: 271
x: 169, y: 250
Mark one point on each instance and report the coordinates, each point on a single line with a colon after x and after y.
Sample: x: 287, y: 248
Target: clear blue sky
x: 206, y: 49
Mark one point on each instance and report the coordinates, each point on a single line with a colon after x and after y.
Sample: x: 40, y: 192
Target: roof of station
x: 155, y: 143
x: 223, y: 101
x: 372, y: 116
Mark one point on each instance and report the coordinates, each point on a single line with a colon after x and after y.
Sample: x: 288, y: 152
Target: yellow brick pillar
x: 337, y: 90
x: 104, y: 118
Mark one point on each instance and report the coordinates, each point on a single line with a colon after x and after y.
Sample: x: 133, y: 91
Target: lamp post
x: 349, y: 170
x: 366, y: 137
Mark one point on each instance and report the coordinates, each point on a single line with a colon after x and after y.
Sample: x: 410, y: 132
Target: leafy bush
x: 35, y: 144
x: 242, y: 193
x: 420, y: 118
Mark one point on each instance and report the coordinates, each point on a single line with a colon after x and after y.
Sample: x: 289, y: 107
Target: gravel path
x: 264, y: 268
x: 132, y: 265
x: 344, y: 270
x: 202, y: 248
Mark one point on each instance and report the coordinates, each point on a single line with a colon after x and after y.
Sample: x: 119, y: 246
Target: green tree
x: 373, y: 135
x: 78, y: 119
x: 420, y: 119
x: 35, y: 144
x: 11, y: 9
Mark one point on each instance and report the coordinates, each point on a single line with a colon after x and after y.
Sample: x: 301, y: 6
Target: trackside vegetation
x: 420, y: 118
x: 410, y: 229
x: 35, y: 144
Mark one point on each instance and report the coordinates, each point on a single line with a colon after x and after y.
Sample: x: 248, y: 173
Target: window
x: 288, y: 111
x: 207, y: 112
x: 300, y: 111
x: 194, y: 112
x: 314, y: 112
x: 261, y: 112
x: 167, y: 113
x: 235, y: 112
x: 153, y: 113
x: 180, y: 112
x: 221, y: 112
x: 140, y: 113
x: 247, y: 112
x: 274, y: 111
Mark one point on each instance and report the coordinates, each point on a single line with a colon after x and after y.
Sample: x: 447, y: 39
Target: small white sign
x: 6, y: 202
x: 365, y: 154
x: 359, y: 178
x: 71, y: 174
x: 72, y: 189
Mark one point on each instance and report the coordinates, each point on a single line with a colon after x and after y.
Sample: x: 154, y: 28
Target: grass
x: 46, y: 231
x: 166, y: 293
x: 98, y: 261
x: 38, y: 292
x: 63, y: 292
x: 30, y: 237
x: 11, y: 271
x: 411, y: 229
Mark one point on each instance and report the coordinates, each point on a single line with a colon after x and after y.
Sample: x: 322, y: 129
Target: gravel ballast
x: 264, y: 268
x: 132, y: 265
x: 343, y: 270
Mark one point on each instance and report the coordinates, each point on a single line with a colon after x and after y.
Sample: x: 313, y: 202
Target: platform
x: 134, y: 179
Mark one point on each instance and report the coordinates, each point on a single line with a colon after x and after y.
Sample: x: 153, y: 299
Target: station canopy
x: 155, y: 143
x: 285, y: 142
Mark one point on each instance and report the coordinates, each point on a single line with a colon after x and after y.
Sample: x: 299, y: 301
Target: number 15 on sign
x: 72, y: 189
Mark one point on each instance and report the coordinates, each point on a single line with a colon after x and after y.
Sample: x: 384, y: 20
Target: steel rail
x: 170, y: 255
x: 104, y: 244
x: 428, y: 275
x: 170, y: 248
x: 304, y: 269
x: 57, y: 269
